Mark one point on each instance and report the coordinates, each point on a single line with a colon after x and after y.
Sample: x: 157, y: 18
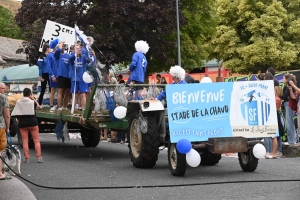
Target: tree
x: 197, y: 32
x: 8, y: 26
x: 116, y: 26
x: 253, y: 35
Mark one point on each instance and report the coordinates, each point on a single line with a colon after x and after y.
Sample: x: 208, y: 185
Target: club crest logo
x: 255, y: 108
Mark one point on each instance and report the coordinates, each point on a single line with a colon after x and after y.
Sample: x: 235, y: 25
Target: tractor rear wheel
x: 144, y: 147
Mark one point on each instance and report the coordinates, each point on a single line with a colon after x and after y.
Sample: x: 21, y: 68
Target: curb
x: 14, y: 189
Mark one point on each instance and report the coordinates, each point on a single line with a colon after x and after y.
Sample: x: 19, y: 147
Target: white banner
x: 54, y: 30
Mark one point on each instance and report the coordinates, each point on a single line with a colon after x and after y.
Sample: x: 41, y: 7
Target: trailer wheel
x: 90, y: 137
x: 177, y: 161
x: 208, y: 158
x: 144, y: 147
x: 30, y: 140
x: 14, y: 128
x: 248, y: 161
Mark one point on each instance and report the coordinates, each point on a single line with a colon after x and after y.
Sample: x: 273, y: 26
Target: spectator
x: 25, y: 113
x: 122, y: 137
x: 163, y: 80
x: 4, y: 125
x: 288, y: 93
x: 269, y: 76
x: 278, y: 95
x: 274, y: 143
x: 292, y: 84
x: 158, y: 78
x: 261, y: 77
x: 120, y: 79
x: 272, y: 71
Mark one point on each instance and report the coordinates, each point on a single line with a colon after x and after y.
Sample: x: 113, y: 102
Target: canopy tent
x: 20, y: 73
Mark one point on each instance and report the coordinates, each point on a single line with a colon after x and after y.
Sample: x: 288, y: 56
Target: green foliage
x: 116, y: 26
x: 8, y: 27
x: 253, y: 35
x: 195, y: 34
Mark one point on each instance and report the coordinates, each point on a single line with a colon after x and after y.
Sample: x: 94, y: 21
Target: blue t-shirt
x: 138, y: 67
x: 43, y: 64
x: 80, y: 69
x: 53, y: 65
x: 63, y: 63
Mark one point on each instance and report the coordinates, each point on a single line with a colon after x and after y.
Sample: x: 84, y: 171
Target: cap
x: 55, y: 42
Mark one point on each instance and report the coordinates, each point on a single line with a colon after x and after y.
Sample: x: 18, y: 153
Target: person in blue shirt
x: 64, y: 83
x: 77, y: 83
x: 53, y: 77
x: 178, y: 75
x: 44, y: 71
x: 138, y: 66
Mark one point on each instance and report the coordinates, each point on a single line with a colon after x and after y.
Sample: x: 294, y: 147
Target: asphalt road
x: 108, y: 165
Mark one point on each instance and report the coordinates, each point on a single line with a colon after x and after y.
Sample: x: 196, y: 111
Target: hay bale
x: 12, y: 99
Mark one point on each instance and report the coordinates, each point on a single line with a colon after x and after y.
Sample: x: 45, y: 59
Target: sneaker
x: 76, y: 107
x: 26, y: 161
x: 40, y: 160
x: 65, y: 108
x: 286, y: 143
x: 45, y: 106
x: 53, y: 108
x: 60, y: 109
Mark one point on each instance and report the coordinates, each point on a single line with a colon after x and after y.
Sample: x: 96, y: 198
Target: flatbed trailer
x: 87, y: 122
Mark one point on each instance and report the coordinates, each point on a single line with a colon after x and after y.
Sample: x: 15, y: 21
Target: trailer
x: 87, y: 122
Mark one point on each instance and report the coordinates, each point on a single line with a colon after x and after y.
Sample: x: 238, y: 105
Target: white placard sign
x: 54, y: 30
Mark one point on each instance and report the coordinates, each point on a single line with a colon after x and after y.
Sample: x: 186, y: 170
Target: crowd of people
x: 287, y: 104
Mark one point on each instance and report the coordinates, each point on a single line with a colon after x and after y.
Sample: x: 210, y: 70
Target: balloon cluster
x: 120, y: 112
x: 193, y: 158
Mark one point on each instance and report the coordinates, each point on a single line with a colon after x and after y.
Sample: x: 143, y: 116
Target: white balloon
x: 206, y: 80
x: 120, y: 112
x: 193, y: 158
x: 87, y: 78
x: 259, y: 151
